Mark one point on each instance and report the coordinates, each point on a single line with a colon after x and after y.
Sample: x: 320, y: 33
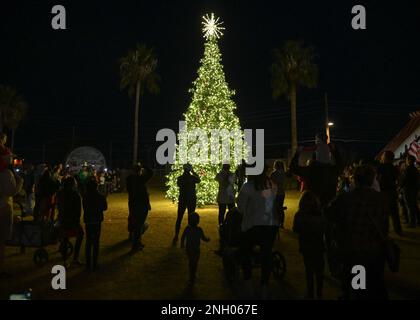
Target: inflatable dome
x: 85, y: 156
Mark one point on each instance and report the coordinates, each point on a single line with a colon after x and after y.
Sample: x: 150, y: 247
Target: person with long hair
x: 138, y: 203
x: 69, y: 204
x: 226, y: 194
x: 310, y: 224
x: 278, y: 177
x: 45, y: 192
x: 260, y: 224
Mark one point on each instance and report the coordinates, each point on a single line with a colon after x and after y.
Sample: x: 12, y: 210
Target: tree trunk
x: 136, y: 125
x: 293, y: 118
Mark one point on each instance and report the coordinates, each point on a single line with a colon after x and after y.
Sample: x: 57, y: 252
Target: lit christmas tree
x: 211, y: 108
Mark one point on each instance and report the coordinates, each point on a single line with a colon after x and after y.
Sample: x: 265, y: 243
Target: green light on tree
x: 211, y: 108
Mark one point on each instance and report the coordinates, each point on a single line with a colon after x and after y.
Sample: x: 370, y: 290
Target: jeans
x: 183, y: 204
x: 222, y: 211
x: 264, y: 237
x: 93, y: 234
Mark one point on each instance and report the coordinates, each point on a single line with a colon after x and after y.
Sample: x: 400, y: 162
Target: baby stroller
x: 230, y: 238
x: 33, y: 234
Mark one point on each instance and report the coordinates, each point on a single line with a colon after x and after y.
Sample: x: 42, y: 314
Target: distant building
x: 407, y: 141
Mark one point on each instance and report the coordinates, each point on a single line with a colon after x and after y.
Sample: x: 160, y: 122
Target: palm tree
x: 12, y: 110
x: 138, y: 73
x: 293, y: 67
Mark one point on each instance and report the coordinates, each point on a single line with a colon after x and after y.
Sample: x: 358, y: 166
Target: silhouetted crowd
x: 342, y: 220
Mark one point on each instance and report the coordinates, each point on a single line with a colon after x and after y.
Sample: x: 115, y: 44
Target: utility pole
x: 327, y: 120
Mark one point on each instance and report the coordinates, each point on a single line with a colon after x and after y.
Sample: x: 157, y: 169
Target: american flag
x: 414, y: 149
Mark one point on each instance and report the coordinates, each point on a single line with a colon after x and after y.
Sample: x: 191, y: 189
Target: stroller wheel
x: 66, y: 249
x: 279, y: 265
x: 40, y: 257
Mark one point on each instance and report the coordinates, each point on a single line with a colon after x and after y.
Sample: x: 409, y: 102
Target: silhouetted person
x: 310, y: 224
x: 361, y: 217
x: 187, y: 196
x: 321, y: 175
x: 29, y: 187
x: 388, y: 178
x: 226, y: 193
x: 10, y: 185
x: 192, y: 236
x: 401, y: 200
x: 138, y: 203
x: 278, y: 177
x: 69, y: 204
x: 94, y: 205
x: 410, y: 186
x: 240, y: 175
x: 260, y: 225
x: 45, y: 191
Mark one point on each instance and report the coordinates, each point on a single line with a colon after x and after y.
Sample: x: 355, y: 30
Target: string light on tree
x: 211, y: 107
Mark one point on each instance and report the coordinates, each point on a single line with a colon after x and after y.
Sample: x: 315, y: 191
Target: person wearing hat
x: 138, y: 203
x: 187, y: 196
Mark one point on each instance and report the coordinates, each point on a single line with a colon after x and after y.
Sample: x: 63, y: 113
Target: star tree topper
x: 212, y: 27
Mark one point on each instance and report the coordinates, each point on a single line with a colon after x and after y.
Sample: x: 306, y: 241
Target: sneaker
x: 175, y: 241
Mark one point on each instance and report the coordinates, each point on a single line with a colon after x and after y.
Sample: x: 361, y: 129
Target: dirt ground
x: 160, y: 270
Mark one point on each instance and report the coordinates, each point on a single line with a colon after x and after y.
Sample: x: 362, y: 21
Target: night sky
x: 70, y: 78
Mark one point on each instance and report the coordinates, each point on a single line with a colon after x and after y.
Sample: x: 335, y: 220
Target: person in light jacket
x: 260, y: 224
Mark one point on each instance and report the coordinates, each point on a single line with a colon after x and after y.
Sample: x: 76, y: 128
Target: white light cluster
x: 212, y: 27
